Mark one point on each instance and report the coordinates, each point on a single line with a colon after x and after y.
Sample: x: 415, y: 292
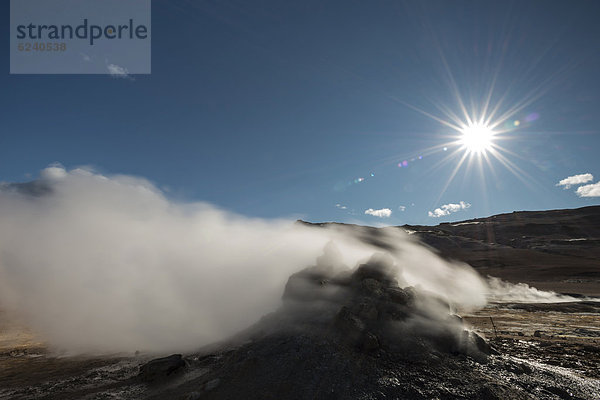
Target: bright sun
x: 477, y: 138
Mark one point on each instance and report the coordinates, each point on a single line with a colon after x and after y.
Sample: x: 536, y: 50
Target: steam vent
x: 366, y: 310
x: 355, y: 334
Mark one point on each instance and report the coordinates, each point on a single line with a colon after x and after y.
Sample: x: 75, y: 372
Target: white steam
x: 505, y: 292
x: 108, y: 263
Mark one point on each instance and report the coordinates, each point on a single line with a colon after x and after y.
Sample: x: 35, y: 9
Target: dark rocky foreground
x: 559, y: 363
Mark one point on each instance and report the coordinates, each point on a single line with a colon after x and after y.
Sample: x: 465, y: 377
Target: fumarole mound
x: 348, y: 335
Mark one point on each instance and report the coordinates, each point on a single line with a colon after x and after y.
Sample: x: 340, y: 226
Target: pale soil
x: 568, y: 334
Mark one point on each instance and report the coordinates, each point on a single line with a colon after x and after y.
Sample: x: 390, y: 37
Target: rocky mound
x: 349, y: 334
x: 366, y: 310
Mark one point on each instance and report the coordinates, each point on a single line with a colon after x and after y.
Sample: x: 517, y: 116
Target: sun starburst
x: 477, y: 138
x: 474, y: 138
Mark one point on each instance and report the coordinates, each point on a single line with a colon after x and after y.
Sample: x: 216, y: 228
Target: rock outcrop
x: 367, y: 309
x: 346, y: 334
x: 159, y: 369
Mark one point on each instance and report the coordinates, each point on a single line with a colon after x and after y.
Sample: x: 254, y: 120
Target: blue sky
x: 279, y: 108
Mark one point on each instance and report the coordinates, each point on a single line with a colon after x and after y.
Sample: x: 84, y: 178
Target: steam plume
x: 109, y: 263
x: 505, y: 292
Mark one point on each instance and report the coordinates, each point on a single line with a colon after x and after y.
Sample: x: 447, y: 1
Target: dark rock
x: 401, y: 296
x: 370, y: 342
x: 518, y: 368
x: 380, y: 268
x: 481, y: 344
x: 470, y: 344
x: 372, y: 287
x: 537, y: 334
x: 194, y: 396
x: 315, y: 283
x: 211, y: 385
x: 161, y: 368
x: 349, y: 326
x: 395, y: 312
x: 305, y: 285
x: 367, y: 310
x: 562, y: 393
x: 490, y: 393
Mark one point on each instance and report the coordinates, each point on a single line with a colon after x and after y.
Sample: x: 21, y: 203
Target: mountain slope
x: 557, y: 249
x: 553, y: 250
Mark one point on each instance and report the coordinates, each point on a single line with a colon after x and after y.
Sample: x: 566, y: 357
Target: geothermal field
x: 300, y: 200
x: 208, y: 304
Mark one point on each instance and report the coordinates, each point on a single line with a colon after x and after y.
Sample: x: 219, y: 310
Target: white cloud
x: 341, y: 207
x: 382, y: 213
x: 575, y: 180
x: 117, y: 71
x: 591, y: 190
x: 447, y: 209
x: 401, y: 208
